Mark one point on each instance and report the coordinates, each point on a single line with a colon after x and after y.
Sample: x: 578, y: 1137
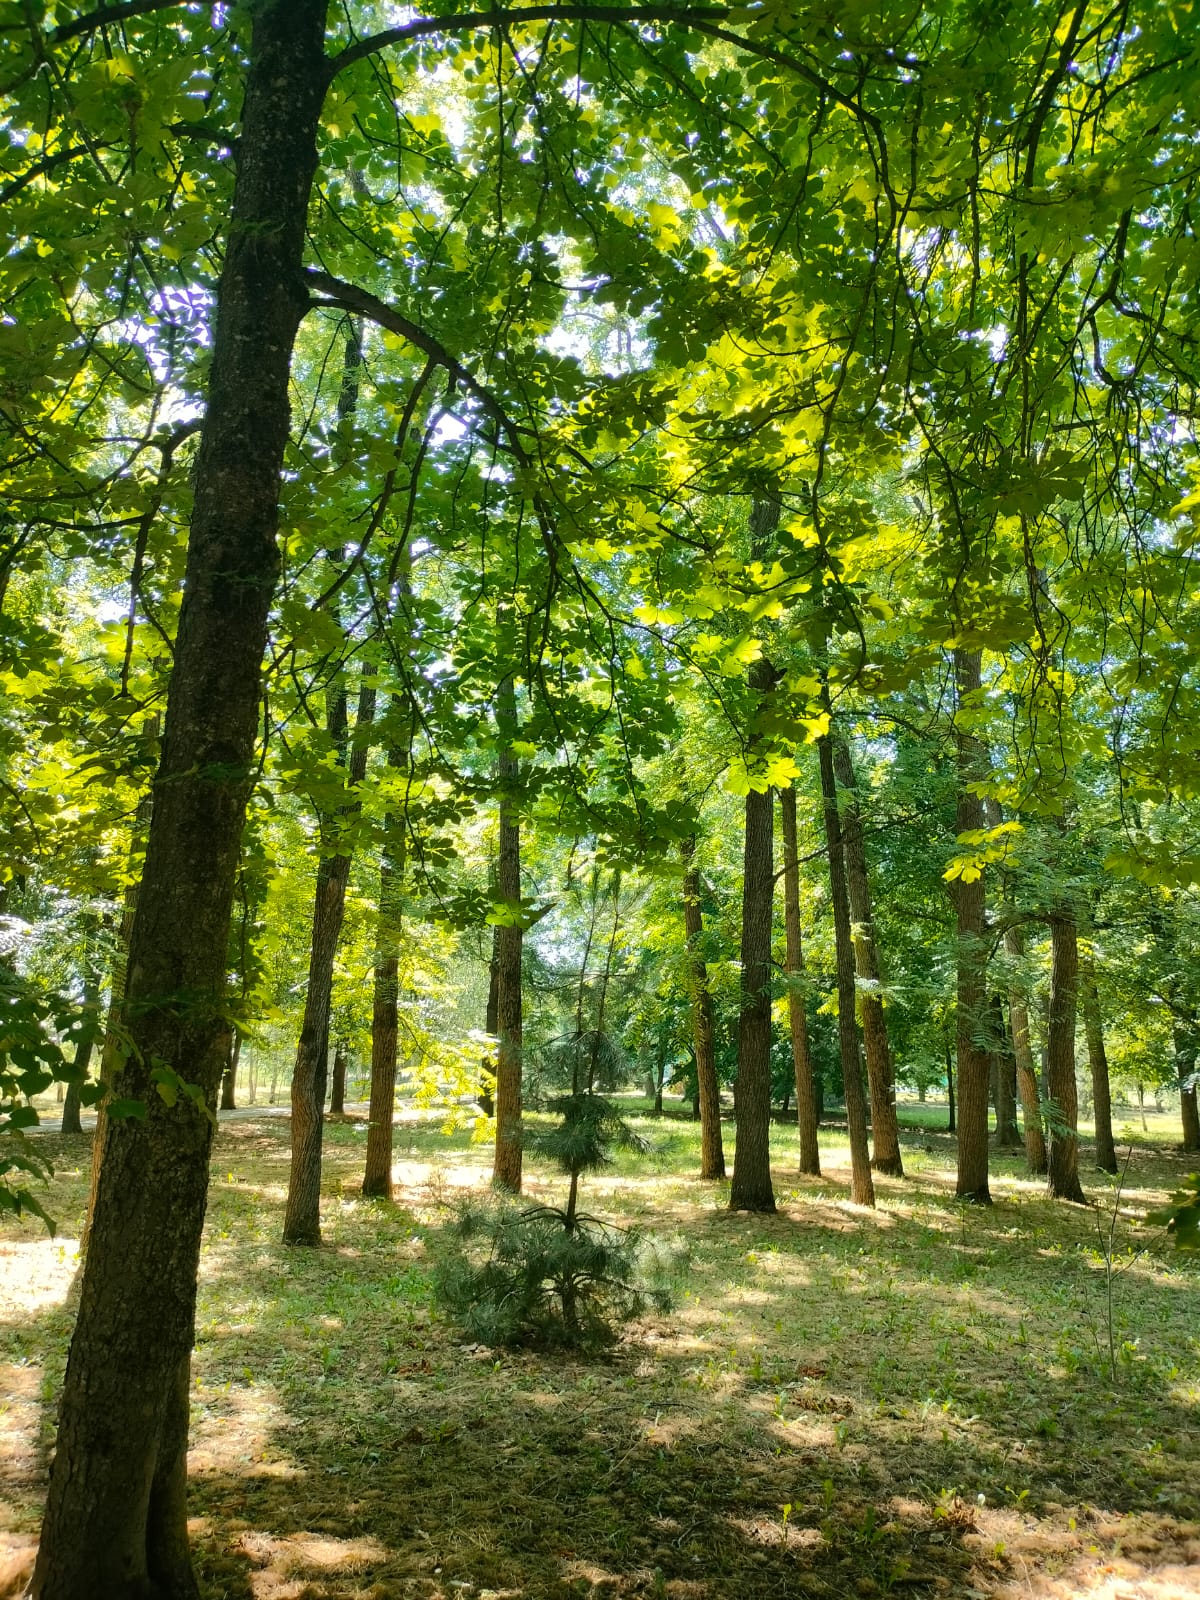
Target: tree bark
x: 302, y: 1216
x: 806, y: 1100
x: 862, y: 1186
x: 385, y: 1006
x: 1184, y: 1037
x: 1027, y: 1084
x: 506, y: 1167
x: 83, y: 1053
x: 972, y: 1051
x: 708, y: 1094
x: 1008, y: 1135
x: 1106, y: 1149
x: 881, y: 1077
x: 229, y: 1077
x: 1063, y: 1170
x: 751, y: 1188
x: 337, y: 1087
x: 115, y: 1523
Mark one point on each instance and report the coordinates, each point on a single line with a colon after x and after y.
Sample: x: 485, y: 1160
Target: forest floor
x: 914, y: 1401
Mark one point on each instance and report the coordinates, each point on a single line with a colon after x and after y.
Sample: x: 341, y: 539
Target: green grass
x: 873, y: 1373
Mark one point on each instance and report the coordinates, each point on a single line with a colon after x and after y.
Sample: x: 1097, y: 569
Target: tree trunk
x: 881, y: 1077
x: 1027, y: 1083
x: 951, y: 1119
x: 83, y: 1053
x: 708, y: 1094
x: 1184, y: 1039
x: 385, y: 1008
x: 229, y: 1078
x: 1106, y: 1149
x: 116, y: 1520
x: 302, y: 1217
x: 506, y: 1167
x: 972, y: 1051
x: 1008, y: 1135
x: 1060, y: 1058
x: 659, y: 1085
x: 751, y: 1189
x: 806, y: 1101
x: 337, y: 1087
x: 487, y: 1098
x: 862, y: 1186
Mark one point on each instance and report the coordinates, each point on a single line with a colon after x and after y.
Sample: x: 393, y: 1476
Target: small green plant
x: 553, y: 1275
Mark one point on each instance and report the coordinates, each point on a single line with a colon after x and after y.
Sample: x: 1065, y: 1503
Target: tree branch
x: 349, y: 297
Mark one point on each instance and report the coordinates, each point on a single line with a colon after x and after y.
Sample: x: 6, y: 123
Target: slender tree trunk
x: 116, y: 1519
x: 385, y: 1008
x: 806, y: 1102
x: 1106, y: 1149
x: 1184, y: 1039
x: 881, y: 1077
x: 751, y: 1189
x: 487, y: 1098
x: 659, y: 1086
x: 337, y: 1088
x: 302, y: 1217
x: 951, y: 1120
x: 506, y: 1167
x: 1027, y: 1083
x: 229, y: 1077
x: 1008, y: 1135
x: 708, y: 1094
x: 862, y: 1186
x: 83, y: 1053
x: 973, y: 1055
x: 1060, y: 1058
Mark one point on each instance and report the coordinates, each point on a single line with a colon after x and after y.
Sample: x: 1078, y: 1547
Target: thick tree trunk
x: 1027, y: 1083
x: 302, y: 1216
x: 1063, y: 1153
x: 115, y: 1523
x: 972, y: 1051
x: 708, y: 1094
x: 881, y: 1077
x: 229, y: 1077
x: 506, y: 1167
x: 751, y: 1188
x: 1106, y: 1149
x: 862, y: 1186
x: 806, y: 1100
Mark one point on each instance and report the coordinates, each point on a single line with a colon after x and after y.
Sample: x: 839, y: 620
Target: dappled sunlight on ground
x: 910, y: 1401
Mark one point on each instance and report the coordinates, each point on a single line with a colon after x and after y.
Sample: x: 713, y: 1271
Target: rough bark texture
x: 115, y: 1523
x: 751, y: 1188
x: 881, y: 1077
x: 506, y: 1167
x: 1063, y: 1167
x: 806, y: 1100
x: 302, y: 1217
x: 862, y: 1186
x: 972, y: 1050
x: 229, y: 1079
x: 1106, y: 1149
x: 708, y: 1094
x: 1027, y: 1084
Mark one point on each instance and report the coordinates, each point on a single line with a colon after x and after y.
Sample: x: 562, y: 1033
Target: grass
x: 913, y: 1401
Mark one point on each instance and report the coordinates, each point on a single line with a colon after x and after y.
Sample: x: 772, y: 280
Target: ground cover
x: 914, y: 1401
